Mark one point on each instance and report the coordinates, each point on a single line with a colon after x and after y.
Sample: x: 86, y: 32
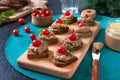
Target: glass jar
x: 112, y: 34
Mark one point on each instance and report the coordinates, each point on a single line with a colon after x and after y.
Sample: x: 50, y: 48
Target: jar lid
x: 114, y: 26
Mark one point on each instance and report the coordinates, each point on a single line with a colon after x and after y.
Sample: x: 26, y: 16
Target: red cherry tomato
x: 59, y: 21
x: 21, y: 21
x: 35, y: 11
x: 45, y: 32
x: 62, y: 50
x: 36, y: 43
x: 72, y: 37
x: 15, y: 32
x: 86, y: 15
x: 67, y: 13
x: 43, y: 15
x: 34, y: 14
x: 44, y: 10
x: 40, y: 12
x: 27, y: 29
x: 33, y: 36
x: 48, y: 13
x: 82, y: 24
x: 38, y: 15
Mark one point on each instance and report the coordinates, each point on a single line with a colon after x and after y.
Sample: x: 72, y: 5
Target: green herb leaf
x: 1, y: 21
x: 8, y: 13
x: 71, y: 49
x: 5, y: 15
x: 41, y: 29
x: 71, y: 54
x: 66, y: 21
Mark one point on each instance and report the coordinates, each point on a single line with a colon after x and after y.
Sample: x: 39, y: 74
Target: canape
x: 63, y: 57
x: 58, y: 27
x: 82, y: 30
x: 72, y: 41
x: 86, y: 19
x: 48, y: 37
x: 37, y: 50
x: 68, y: 17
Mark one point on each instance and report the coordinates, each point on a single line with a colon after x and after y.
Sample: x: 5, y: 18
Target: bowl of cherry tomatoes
x: 42, y: 17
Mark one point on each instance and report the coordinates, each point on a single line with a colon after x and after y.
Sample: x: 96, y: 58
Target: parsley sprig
x: 5, y: 15
x: 70, y: 51
x: 41, y: 29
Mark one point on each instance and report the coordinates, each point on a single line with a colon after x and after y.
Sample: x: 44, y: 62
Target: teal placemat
x: 109, y: 60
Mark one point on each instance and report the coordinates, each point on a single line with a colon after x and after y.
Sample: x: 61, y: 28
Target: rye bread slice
x: 62, y: 63
x: 34, y: 56
x: 60, y: 30
x: 50, y: 39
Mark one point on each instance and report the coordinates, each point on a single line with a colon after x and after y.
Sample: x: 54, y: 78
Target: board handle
x: 95, y: 70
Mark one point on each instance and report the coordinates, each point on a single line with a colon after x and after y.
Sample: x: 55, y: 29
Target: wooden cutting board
x: 27, y: 10
x: 45, y: 66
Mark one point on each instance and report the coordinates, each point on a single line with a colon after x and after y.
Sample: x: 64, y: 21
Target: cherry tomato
x: 86, y: 15
x: 62, y: 50
x: 67, y: 13
x: 43, y: 15
x: 82, y: 24
x: 45, y: 32
x: 21, y: 21
x: 59, y: 21
x: 48, y: 13
x: 35, y: 11
x: 15, y: 32
x: 44, y: 10
x: 41, y: 12
x: 34, y: 14
x: 27, y: 29
x: 36, y: 43
x: 72, y: 37
x: 38, y: 15
x: 33, y: 36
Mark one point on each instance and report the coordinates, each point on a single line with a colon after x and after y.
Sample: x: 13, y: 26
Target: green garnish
x: 71, y: 54
x: 70, y: 51
x: 66, y: 21
x: 41, y: 29
x: 5, y: 15
x: 1, y: 21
